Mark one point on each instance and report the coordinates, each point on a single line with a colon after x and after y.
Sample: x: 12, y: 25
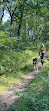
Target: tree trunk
x: 11, y: 27
x: 19, y: 29
x: 2, y: 17
x: 20, y: 23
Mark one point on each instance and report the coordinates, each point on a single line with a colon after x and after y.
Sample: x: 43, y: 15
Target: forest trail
x: 9, y: 97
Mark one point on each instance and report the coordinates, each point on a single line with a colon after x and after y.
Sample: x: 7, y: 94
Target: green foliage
x: 31, y: 19
x: 47, y: 45
x: 34, y: 13
x: 13, y: 62
x: 36, y: 98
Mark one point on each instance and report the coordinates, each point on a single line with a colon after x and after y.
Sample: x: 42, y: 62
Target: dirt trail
x: 9, y: 97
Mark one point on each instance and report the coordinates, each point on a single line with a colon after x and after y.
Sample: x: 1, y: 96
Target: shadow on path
x: 9, y: 97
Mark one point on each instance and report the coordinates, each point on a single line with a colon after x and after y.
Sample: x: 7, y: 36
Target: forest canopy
x: 28, y: 19
x: 24, y: 26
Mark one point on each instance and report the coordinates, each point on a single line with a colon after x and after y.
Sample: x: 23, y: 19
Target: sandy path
x: 9, y: 97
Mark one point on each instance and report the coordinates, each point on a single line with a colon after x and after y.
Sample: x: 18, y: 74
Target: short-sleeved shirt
x: 42, y: 49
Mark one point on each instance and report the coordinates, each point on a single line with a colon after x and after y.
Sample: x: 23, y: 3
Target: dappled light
x: 24, y: 55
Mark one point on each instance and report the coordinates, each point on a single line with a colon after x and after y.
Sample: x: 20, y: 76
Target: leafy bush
x: 36, y: 98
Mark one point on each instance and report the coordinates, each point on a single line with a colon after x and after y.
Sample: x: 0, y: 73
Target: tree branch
x: 14, y: 11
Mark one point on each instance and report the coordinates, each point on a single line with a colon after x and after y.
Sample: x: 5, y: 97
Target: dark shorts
x: 42, y: 56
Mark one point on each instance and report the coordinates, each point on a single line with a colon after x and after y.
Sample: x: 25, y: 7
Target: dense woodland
x: 20, y: 38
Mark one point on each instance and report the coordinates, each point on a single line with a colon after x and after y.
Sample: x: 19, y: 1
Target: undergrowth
x: 16, y: 60
x: 14, y: 64
x: 36, y: 98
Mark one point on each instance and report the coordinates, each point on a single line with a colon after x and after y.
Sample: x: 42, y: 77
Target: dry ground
x: 9, y: 97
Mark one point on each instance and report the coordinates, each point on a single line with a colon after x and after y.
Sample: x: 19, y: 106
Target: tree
x: 32, y: 12
x: 2, y: 6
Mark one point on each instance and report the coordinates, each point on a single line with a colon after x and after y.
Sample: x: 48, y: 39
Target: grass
x: 17, y: 62
x: 14, y: 65
x: 36, y: 98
